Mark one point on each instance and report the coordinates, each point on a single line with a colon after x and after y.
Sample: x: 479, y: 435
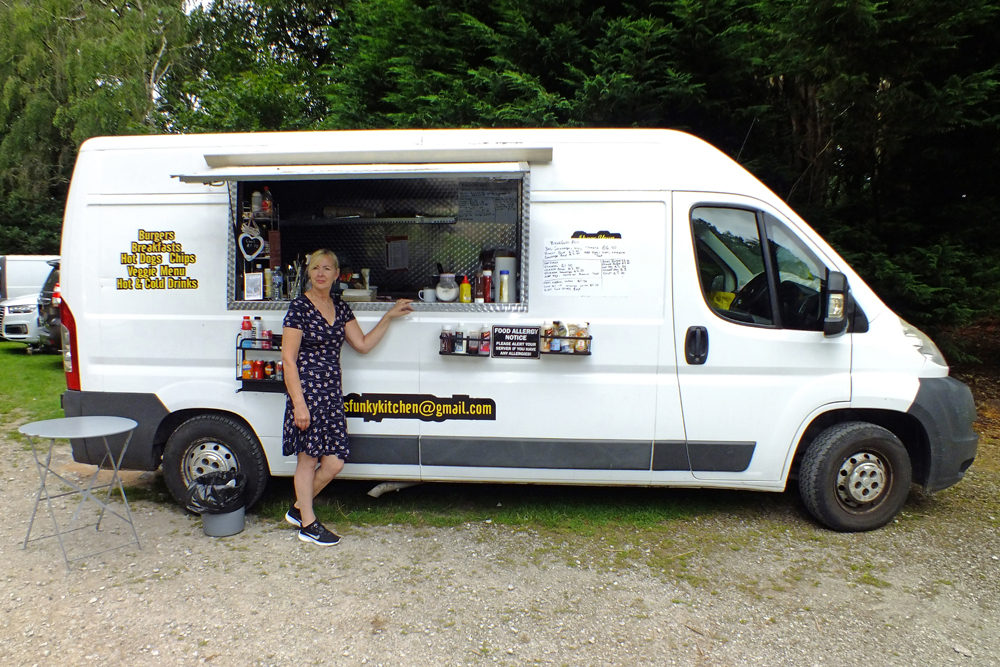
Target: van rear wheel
x: 213, y: 443
x: 855, y: 476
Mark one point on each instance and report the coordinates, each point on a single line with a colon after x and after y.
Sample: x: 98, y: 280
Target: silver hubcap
x: 205, y: 457
x: 862, y: 479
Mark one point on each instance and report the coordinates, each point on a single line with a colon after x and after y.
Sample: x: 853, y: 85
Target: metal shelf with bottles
x: 258, y: 363
x: 566, y: 338
x: 464, y: 342
x: 258, y: 246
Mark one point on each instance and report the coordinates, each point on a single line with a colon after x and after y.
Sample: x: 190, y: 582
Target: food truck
x: 655, y: 317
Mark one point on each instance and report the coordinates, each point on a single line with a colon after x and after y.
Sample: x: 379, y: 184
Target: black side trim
x: 385, y: 449
x: 536, y: 453
x: 720, y: 456
x: 946, y: 409
x: 146, y: 409
x: 670, y: 456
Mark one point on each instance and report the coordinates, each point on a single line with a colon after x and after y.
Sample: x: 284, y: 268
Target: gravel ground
x: 722, y: 590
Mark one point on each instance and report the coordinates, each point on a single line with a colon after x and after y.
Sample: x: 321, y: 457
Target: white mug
x: 427, y: 294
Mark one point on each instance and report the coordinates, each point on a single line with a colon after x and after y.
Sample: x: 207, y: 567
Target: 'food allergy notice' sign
x: 515, y: 342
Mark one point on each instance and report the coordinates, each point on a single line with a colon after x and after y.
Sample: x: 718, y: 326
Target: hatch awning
x: 320, y: 172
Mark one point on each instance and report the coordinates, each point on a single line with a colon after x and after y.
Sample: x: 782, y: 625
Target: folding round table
x: 79, y: 428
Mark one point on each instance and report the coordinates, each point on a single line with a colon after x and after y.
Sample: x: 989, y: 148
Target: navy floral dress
x: 319, y: 371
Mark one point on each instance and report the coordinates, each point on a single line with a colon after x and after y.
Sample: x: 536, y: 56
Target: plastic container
x: 488, y: 286
x: 484, y: 340
x: 458, y: 344
x: 447, y: 340
x: 225, y: 524
x: 246, y: 332
x: 256, y: 202
x: 504, y: 292
x: 447, y: 288
x: 465, y: 291
x: 267, y: 202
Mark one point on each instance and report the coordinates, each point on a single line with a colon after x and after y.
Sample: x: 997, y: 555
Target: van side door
x: 754, y: 366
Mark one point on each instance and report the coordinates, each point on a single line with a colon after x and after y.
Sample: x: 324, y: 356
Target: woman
x: 315, y: 428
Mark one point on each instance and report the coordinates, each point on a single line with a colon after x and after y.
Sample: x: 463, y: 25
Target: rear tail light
x: 56, y: 296
x: 70, y: 354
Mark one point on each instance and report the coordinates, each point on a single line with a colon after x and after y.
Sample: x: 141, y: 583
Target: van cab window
x: 731, y: 264
x: 743, y: 285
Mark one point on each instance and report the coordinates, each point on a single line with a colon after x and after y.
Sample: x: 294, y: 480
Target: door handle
x: 696, y: 345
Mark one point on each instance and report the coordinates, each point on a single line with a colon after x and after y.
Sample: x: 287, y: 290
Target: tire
x: 213, y: 443
x: 875, y: 463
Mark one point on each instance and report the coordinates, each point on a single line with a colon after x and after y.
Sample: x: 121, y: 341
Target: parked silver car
x: 19, y: 320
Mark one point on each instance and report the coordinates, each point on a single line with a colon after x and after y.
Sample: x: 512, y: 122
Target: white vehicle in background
x: 23, y: 275
x: 19, y: 320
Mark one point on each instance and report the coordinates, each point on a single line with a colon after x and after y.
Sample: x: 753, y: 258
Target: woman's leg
x: 328, y: 468
x: 305, y: 476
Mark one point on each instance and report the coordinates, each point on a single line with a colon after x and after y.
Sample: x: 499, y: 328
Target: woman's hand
x: 301, y: 416
x: 400, y: 308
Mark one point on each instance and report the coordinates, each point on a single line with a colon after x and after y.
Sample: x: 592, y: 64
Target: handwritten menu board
x: 488, y: 202
x: 585, y: 267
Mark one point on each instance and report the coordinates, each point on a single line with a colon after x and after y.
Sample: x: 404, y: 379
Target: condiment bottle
x: 505, y: 286
x: 556, y: 343
x: 246, y: 332
x: 472, y: 344
x: 446, y: 339
x: 478, y: 294
x: 458, y: 346
x: 267, y: 203
x: 484, y: 340
x: 488, y: 285
x: 465, y: 291
x: 546, y: 342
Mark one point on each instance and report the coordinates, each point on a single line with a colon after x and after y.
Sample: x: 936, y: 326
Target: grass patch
x: 30, y: 387
x: 583, y: 511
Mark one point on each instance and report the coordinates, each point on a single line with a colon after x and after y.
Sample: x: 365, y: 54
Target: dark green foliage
x: 879, y: 121
x: 252, y: 67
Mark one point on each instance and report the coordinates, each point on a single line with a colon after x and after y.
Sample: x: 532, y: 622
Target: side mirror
x: 835, y: 304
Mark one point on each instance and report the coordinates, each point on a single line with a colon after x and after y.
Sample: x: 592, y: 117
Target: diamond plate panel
x: 424, y: 211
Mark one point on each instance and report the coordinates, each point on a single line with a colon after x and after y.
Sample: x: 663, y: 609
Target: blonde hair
x: 318, y: 255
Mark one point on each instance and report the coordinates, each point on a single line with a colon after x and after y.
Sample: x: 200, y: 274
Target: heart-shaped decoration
x: 250, y: 246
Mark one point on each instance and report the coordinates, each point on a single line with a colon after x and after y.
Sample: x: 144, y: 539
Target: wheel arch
x: 173, y: 421
x: 906, y: 427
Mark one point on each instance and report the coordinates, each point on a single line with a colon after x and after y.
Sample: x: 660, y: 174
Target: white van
x: 649, y: 338
x: 23, y: 275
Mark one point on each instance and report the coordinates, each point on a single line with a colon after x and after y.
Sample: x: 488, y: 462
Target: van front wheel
x: 213, y: 443
x: 855, y: 476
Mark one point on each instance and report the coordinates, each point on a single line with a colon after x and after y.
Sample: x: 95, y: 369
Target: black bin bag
x: 217, y: 492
